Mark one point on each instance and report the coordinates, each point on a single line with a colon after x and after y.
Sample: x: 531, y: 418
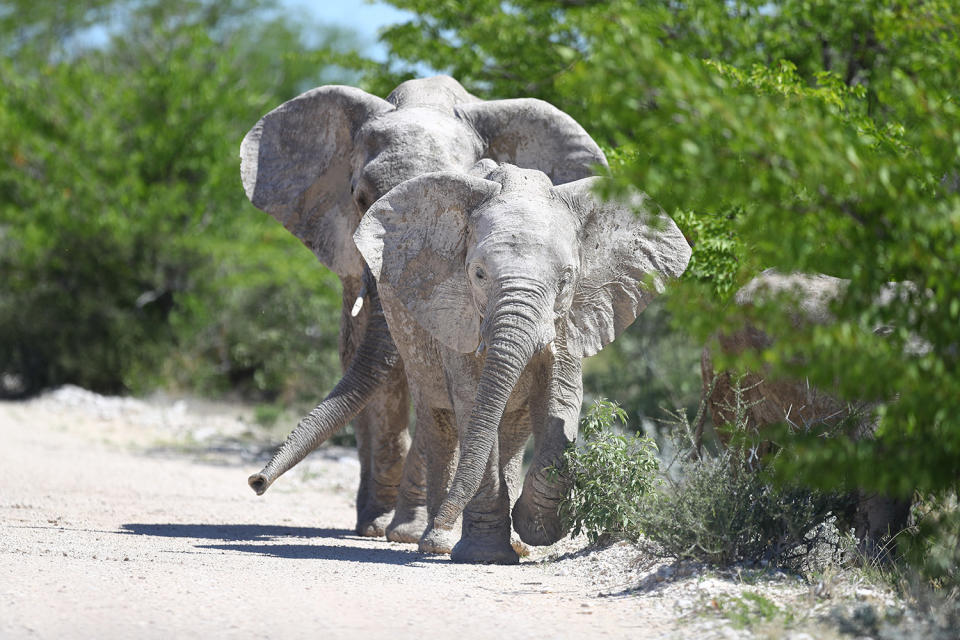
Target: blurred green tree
x: 128, y: 252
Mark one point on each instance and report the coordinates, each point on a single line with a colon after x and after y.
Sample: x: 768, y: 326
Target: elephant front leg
x: 486, y: 522
x: 426, y: 473
x: 555, y: 415
x: 486, y: 533
x: 382, y: 444
x: 440, y: 449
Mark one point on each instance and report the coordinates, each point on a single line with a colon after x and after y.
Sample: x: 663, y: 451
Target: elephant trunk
x: 514, y: 332
x: 373, y: 363
x: 536, y: 514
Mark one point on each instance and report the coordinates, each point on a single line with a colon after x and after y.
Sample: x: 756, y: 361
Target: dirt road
x: 111, y: 527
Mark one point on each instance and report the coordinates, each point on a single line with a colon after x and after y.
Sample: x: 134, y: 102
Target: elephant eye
x: 479, y: 273
x: 362, y: 200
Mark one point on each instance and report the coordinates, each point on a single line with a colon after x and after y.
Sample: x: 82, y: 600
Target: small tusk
x: 480, y: 348
x: 551, y: 348
x: 359, y: 302
x: 356, y: 307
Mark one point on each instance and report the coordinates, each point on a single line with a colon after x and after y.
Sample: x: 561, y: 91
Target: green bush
x: 721, y: 508
x: 130, y: 257
x: 818, y: 137
x: 609, y: 472
x: 720, y: 513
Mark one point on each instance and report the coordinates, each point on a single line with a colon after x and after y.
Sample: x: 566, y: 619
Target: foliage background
x: 805, y: 135
x: 131, y: 258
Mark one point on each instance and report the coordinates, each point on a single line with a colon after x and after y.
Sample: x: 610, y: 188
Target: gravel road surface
x: 127, y: 518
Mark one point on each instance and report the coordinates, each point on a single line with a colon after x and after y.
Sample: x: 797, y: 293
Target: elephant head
x: 316, y: 162
x: 517, y: 265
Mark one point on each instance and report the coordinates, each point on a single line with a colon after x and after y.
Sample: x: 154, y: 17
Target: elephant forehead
x: 526, y: 232
x: 531, y: 214
x: 396, y: 149
x: 418, y: 129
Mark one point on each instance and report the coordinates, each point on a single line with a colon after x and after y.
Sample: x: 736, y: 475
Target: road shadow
x: 233, y: 532
x: 329, y: 552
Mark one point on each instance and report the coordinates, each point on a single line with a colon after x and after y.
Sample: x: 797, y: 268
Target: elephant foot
x: 536, y: 527
x: 437, y: 541
x: 484, y: 551
x: 373, y: 525
x: 407, y: 525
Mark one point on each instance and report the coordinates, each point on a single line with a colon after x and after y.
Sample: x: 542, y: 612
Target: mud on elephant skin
x: 494, y: 289
x: 767, y: 401
x: 315, y: 163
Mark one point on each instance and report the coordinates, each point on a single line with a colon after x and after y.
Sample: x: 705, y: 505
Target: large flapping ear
x: 629, y: 250
x: 414, y: 239
x: 533, y: 134
x: 296, y: 165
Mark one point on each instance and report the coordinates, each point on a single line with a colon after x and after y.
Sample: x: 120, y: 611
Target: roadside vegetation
x: 819, y: 137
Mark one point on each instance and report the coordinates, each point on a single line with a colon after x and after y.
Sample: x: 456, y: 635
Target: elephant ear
x: 295, y: 164
x: 533, y: 134
x: 630, y: 249
x: 414, y: 239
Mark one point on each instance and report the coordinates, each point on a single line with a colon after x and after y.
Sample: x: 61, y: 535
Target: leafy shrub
x: 933, y: 544
x: 610, y: 473
x: 130, y: 257
x: 723, y: 508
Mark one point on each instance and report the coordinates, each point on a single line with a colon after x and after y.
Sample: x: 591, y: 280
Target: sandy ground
x: 121, y: 519
x: 131, y: 518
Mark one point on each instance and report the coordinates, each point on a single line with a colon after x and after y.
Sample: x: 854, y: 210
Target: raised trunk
x: 376, y: 357
x: 515, y: 333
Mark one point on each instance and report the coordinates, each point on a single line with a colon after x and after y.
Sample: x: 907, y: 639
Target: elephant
x: 315, y: 164
x: 494, y: 288
x: 767, y: 401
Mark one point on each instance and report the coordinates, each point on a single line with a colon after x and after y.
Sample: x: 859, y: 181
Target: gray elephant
x: 315, y: 164
x: 767, y: 401
x: 494, y: 289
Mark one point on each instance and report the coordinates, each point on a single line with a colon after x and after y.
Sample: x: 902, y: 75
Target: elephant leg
x: 410, y: 518
x: 877, y: 520
x: 440, y: 450
x: 485, y: 536
x: 382, y: 444
x: 381, y: 427
x: 555, y: 417
x: 513, y: 440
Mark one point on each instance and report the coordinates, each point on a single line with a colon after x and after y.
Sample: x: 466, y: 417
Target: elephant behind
x: 769, y: 401
x: 316, y: 163
x: 494, y: 289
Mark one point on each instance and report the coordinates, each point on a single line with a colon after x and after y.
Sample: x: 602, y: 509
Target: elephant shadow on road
x: 268, y: 540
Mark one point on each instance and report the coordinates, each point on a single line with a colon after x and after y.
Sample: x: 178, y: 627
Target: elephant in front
x: 316, y: 163
x: 767, y: 401
x: 494, y: 288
